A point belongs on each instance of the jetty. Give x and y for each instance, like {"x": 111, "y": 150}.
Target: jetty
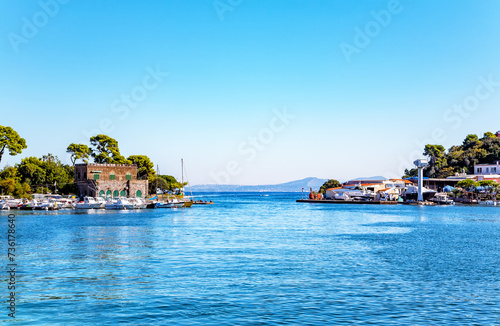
{"x": 336, "y": 201}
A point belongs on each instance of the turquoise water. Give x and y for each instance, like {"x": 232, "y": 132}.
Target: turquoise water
{"x": 253, "y": 259}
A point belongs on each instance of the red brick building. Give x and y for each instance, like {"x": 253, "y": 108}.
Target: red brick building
{"x": 109, "y": 180}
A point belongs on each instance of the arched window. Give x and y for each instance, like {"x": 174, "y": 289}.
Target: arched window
{"x": 138, "y": 194}
{"x": 101, "y": 193}
{"x": 123, "y": 193}
{"x": 108, "y": 193}
{"x": 115, "y": 193}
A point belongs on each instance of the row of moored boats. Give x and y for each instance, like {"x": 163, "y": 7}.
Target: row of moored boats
{"x": 55, "y": 202}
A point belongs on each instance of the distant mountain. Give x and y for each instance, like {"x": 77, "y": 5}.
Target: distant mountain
{"x": 292, "y": 186}
{"x": 378, "y": 177}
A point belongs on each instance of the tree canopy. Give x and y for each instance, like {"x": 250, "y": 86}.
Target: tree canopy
{"x": 10, "y": 139}
{"x": 78, "y": 151}
{"x": 332, "y": 183}
{"x": 145, "y": 168}
{"x": 105, "y": 150}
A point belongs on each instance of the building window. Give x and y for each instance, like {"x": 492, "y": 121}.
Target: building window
{"x": 493, "y": 170}
{"x": 96, "y": 176}
{"x": 108, "y": 193}
{"x": 122, "y": 193}
{"x": 129, "y": 176}
{"x": 115, "y": 193}
{"x": 78, "y": 176}
{"x": 101, "y": 193}
{"x": 112, "y": 176}
{"x": 479, "y": 170}
{"x": 487, "y": 170}
{"x": 138, "y": 194}
{"x": 85, "y": 175}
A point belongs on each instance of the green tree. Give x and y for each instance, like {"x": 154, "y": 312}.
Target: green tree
{"x": 47, "y": 172}
{"x": 489, "y": 134}
{"x": 411, "y": 173}
{"x": 331, "y": 183}
{"x": 10, "y": 139}
{"x": 470, "y": 139}
{"x": 105, "y": 150}
{"x": 145, "y": 168}
{"x": 78, "y": 151}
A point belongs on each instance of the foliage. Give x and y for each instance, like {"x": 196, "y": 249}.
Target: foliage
{"x": 105, "y": 150}
{"x": 331, "y": 183}
{"x": 460, "y": 158}
{"x": 11, "y": 140}
{"x": 467, "y": 184}
{"x": 145, "y": 168}
{"x": 46, "y": 172}
{"x": 78, "y": 151}
{"x": 165, "y": 182}
{"x": 411, "y": 173}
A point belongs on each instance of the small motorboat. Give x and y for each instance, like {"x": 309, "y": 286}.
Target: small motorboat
{"x": 138, "y": 203}
{"x": 174, "y": 203}
{"x": 120, "y": 203}
{"x": 90, "y": 203}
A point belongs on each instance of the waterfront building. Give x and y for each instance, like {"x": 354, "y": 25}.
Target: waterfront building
{"x": 109, "y": 180}
{"x": 483, "y": 169}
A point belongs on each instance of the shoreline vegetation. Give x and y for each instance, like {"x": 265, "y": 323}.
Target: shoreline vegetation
{"x": 458, "y": 159}
{"x": 48, "y": 174}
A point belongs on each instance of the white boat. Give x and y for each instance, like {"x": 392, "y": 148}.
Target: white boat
{"x": 3, "y": 205}
{"x": 11, "y": 202}
{"x": 173, "y": 203}
{"x": 488, "y": 202}
{"x": 442, "y": 199}
{"x": 46, "y": 205}
{"x": 119, "y": 203}
{"x": 138, "y": 203}
{"x": 89, "y": 203}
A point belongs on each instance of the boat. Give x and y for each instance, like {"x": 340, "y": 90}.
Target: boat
{"x": 138, "y": 203}
{"x": 29, "y": 205}
{"x": 411, "y": 193}
{"x": 488, "y": 202}
{"x": 90, "y": 203}
{"x": 442, "y": 199}
{"x": 173, "y": 203}
{"x": 188, "y": 202}
{"x": 11, "y": 202}
{"x": 3, "y": 206}
{"x": 202, "y": 202}
{"x": 119, "y": 203}
{"x": 47, "y": 205}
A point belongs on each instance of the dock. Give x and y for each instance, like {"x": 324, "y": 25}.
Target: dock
{"x": 334, "y": 201}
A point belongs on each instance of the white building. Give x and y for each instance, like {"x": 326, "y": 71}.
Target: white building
{"x": 484, "y": 169}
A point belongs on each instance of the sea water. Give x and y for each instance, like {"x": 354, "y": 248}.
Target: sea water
{"x": 256, "y": 259}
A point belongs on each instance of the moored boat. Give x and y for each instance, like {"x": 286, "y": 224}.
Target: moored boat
{"x": 119, "y": 203}
{"x": 90, "y": 203}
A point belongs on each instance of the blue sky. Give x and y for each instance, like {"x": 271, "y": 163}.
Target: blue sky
{"x": 204, "y": 78}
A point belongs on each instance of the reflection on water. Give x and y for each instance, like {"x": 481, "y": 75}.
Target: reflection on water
{"x": 256, "y": 259}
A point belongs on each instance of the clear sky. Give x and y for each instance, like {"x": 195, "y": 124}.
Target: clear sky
{"x": 251, "y": 92}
